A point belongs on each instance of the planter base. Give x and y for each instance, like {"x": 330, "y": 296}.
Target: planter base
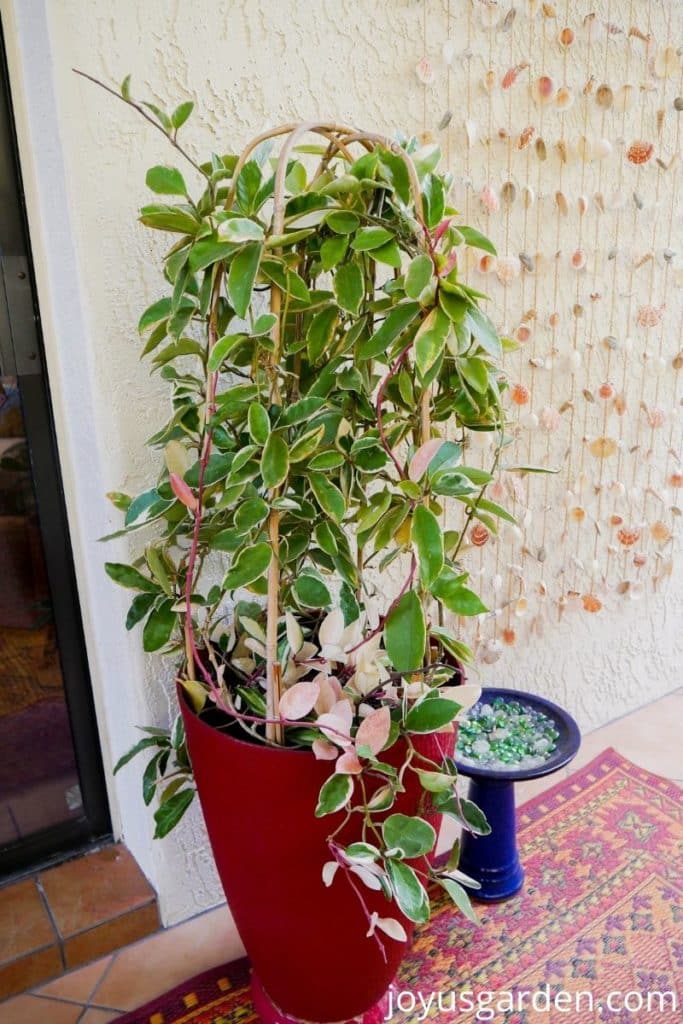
{"x": 269, "y": 1013}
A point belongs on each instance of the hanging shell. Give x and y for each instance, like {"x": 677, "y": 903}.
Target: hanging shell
{"x": 489, "y": 198}
{"x": 578, "y": 259}
{"x": 562, "y": 204}
{"x": 471, "y": 130}
{"x": 448, "y": 51}
{"x": 528, "y": 197}
{"x": 445, "y": 121}
{"x": 604, "y": 97}
{"x": 667, "y": 63}
{"x": 543, "y": 90}
{"x": 526, "y": 136}
{"x": 639, "y": 152}
{"x": 649, "y": 316}
{"x": 623, "y": 98}
{"x": 508, "y": 269}
{"x": 425, "y": 71}
{"x": 541, "y": 151}
{"x": 508, "y": 192}
{"x": 566, "y": 36}
{"x": 603, "y": 447}
{"x": 601, "y": 148}
{"x": 564, "y": 99}
{"x": 678, "y": 104}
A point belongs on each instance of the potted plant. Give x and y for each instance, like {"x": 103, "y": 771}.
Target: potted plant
{"x": 317, "y": 342}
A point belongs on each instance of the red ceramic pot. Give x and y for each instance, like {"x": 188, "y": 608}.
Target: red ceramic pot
{"x": 307, "y": 942}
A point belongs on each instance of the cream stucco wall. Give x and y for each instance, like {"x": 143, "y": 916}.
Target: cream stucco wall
{"x": 246, "y": 66}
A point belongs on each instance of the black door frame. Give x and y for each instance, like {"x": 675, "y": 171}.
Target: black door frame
{"x": 22, "y": 353}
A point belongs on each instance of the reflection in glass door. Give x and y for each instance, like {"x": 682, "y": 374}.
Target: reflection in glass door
{"x": 52, "y": 798}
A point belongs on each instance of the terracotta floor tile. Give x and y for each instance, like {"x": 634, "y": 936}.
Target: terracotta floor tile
{"x": 30, "y": 970}
{"x": 95, "y": 1016}
{"x": 24, "y": 922}
{"x": 111, "y": 935}
{"x": 31, "y": 1010}
{"x": 86, "y": 891}
{"x": 169, "y": 958}
{"x": 77, "y": 984}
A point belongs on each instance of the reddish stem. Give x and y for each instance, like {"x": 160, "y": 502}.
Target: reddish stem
{"x": 380, "y": 626}
{"x": 334, "y": 850}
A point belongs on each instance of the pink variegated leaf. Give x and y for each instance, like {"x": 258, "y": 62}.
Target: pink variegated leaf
{"x": 182, "y": 491}
{"x": 329, "y": 871}
{"x": 391, "y": 927}
{"x": 335, "y": 728}
{"x": 348, "y": 764}
{"x": 299, "y": 700}
{"x": 422, "y": 457}
{"x": 373, "y": 731}
{"x": 441, "y": 229}
{"x": 324, "y": 751}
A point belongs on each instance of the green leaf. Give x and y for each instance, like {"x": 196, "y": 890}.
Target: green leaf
{"x": 371, "y": 238}
{"x": 147, "y": 507}
{"x": 171, "y": 811}
{"x": 396, "y": 173}
{"x": 154, "y": 314}
{"x": 449, "y": 590}
{"x": 149, "y": 779}
{"x": 274, "y": 461}
{"x": 181, "y": 114}
{"x": 414, "y": 836}
{"x": 304, "y": 446}
{"x": 405, "y": 633}
{"x": 241, "y": 277}
{"x": 159, "y": 627}
{"x": 125, "y": 89}
{"x": 475, "y": 372}
{"x": 389, "y": 254}
{"x": 169, "y": 218}
{"x": 427, "y": 537}
{"x": 157, "y": 566}
{"x": 483, "y": 330}
{"x": 239, "y": 230}
{"x": 435, "y": 782}
{"x": 259, "y": 424}
{"x": 221, "y": 349}
{"x": 263, "y": 324}
{"x": 301, "y": 411}
{"x": 394, "y": 324}
{"x": 333, "y": 251}
{"x": 459, "y": 897}
{"x": 166, "y": 181}
{"x": 250, "y": 565}
{"x": 464, "y": 811}
{"x": 335, "y": 794}
{"x": 208, "y": 251}
{"x": 342, "y": 222}
{"x": 477, "y": 240}
{"x": 418, "y": 276}
{"x": 162, "y": 117}
{"x": 434, "y": 199}
{"x": 310, "y": 590}
{"x": 494, "y": 509}
{"x": 348, "y": 287}
{"x": 127, "y": 576}
{"x": 430, "y": 715}
{"x": 148, "y": 741}
{"x": 430, "y": 340}
{"x": 329, "y": 497}
{"x": 408, "y": 890}
{"x": 321, "y": 332}
{"x": 454, "y": 306}
{"x": 452, "y": 483}
{"x": 250, "y": 513}
{"x": 139, "y": 607}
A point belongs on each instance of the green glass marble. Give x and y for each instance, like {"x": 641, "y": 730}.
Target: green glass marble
{"x": 506, "y": 734}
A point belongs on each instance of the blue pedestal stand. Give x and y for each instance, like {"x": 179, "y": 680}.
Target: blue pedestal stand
{"x": 493, "y": 860}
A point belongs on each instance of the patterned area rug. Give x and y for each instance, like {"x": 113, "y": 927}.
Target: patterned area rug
{"x": 597, "y": 931}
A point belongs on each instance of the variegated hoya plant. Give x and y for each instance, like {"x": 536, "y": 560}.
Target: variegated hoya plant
{"x": 318, "y": 344}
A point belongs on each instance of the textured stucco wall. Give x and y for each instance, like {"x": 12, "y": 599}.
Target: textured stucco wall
{"x": 248, "y": 66}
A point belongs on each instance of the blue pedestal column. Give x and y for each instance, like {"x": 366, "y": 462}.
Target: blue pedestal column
{"x": 493, "y": 860}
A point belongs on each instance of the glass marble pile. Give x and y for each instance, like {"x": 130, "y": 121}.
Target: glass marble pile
{"x": 506, "y": 735}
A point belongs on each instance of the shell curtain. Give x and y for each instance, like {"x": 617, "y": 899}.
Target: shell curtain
{"x": 561, "y": 123}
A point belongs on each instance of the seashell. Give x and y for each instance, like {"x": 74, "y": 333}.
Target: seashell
{"x": 678, "y": 104}
{"x": 561, "y": 202}
{"x": 667, "y": 63}
{"x": 448, "y": 51}
{"x": 543, "y": 90}
{"x": 656, "y": 418}
{"x": 489, "y": 651}
{"x": 660, "y": 532}
{"x": 489, "y": 80}
{"x": 550, "y": 419}
{"x": 566, "y": 36}
{"x": 588, "y": 87}
{"x": 471, "y": 130}
{"x": 520, "y": 394}
{"x": 526, "y": 136}
{"x": 639, "y": 560}
{"x": 445, "y": 120}
{"x": 553, "y": 320}
{"x": 487, "y": 264}
{"x": 604, "y": 97}
{"x": 606, "y": 390}
{"x": 603, "y": 447}
{"x": 601, "y": 148}
{"x": 521, "y": 607}
{"x": 497, "y": 490}
{"x": 578, "y": 310}
{"x": 529, "y": 421}
{"x": 561, "y": 147}
{"x": 578, "y": 259}
{"x": 661, "y": 114}
{"x": 527, "y": 262}
{"x": 425, "y": 71}
{"x": 599, "y": 201}
{"x": 639, "y": 152}
{"x": 490, "y": 199}
{"x": 578, "y": 514}
{"x": 677, "y": 361}
{"x": 582, "y": 203}
{"x": 623, "y": 98}
{"x": 676, "y": 480}
{"x": 627, "y": 538}
{"x": 479, "y": 535}
{"x": 588, "y": 395}
{"x": 565, "y": 98}
{"x": 511, "y": 75}
{"x": 541, "y": 151}
{"x": 523, "y": 333}
{"x": 508, "y": 21}
{"x": 508, "y": 192}
{"x": 509, "y": 636}
{"x": 649, "y": 316}
{"x": 508, "y": 268}
{"x": 528, "y": 197}
{"x": 620, "y": 405}
{"x": 591, "y": 603}
{"x": 615, "y": 520}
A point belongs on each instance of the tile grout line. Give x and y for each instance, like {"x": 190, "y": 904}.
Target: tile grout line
{"x": 53, "y": 922}
{"x": 73, "y": 1002}
{"x": 104, "y": 975}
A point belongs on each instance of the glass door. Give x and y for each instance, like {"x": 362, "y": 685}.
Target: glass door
{"x": 52, "y": 797}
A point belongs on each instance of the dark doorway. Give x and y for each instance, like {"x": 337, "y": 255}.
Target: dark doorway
{"x": 52, "y": 795}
